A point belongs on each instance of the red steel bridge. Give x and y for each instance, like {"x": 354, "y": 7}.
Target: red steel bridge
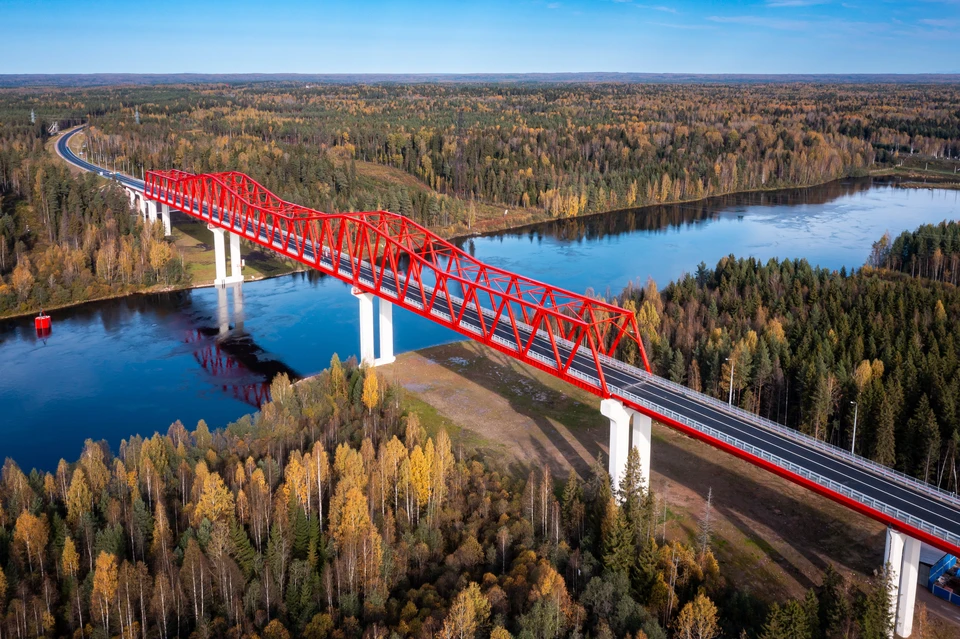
{"x": 576, "y": 338}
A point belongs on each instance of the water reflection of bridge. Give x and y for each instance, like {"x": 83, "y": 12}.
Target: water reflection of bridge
{"x": 230, "y": 355}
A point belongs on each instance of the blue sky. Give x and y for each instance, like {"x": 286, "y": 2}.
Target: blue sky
{"x": 430, "y": 36}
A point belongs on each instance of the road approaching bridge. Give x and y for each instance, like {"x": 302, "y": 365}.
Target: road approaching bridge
{"x": 574, "y": 337}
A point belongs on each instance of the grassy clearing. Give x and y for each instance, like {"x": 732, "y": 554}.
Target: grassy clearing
{"x": 489, "y": 217}
{"x": 771, "y": 537}
{"x": 195, "y": 243}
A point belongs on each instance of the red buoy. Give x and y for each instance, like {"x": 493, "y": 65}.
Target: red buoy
{"x": 42, "y": 322}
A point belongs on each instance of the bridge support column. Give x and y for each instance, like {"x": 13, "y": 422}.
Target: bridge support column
{"x": 236, "y": 263}
{"x": 642, "y": 436}
{"x": 909, "y": 574}
{"x": 386, "y": 333}
{"x": 619, "y": 417}
{"x": 902, "y": 558}
{"x": 367, "y": 355}
{"x": 151, "y": 210}
{"x": 366, "y": 327}
{"x": 220, "y": 257}
{"x": 165, "y": 216}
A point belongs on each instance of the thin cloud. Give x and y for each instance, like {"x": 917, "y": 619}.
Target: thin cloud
{"x": 759, "y": 21}
{"x": 673, "y": 25}
{"x": 939, "y": 22}
{"x": 795, "y": 3}
{"x": 553, "y": 5}
{"x": 657, "y": 8}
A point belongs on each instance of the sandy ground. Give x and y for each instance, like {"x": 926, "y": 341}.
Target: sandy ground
{"x": 772, "y": 537}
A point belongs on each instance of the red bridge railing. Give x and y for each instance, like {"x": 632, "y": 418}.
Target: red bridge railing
{"x": 398, "y": 260}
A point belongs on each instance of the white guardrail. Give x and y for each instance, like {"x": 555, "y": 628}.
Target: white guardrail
{"x": 733, "y": 411}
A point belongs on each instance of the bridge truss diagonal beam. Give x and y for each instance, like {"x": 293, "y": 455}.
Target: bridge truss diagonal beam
{"x": 398, "y": 260}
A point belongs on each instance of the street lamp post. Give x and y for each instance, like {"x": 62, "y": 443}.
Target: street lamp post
{"x": 853, "y": 442}
{"x": 733, "y": 363}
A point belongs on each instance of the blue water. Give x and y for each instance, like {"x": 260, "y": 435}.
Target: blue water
{"x": 135, "y": 365}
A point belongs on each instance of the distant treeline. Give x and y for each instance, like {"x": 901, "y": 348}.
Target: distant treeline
{"x": 563, "y": 149}
{"x": 554, "y": 150}
{"x": 295, "y": 79}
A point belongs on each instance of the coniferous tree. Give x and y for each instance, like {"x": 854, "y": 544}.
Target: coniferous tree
{"x": 617, "y": 540}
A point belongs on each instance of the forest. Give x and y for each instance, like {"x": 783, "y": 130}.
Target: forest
{"x": 453, "y": 157}
{"x": 932, "y": 251}
{"x": 814, "y": 349}
{"x": 333, "y": 513}
{"x": 66, "y": 238}
{"x": 564, "y": 150}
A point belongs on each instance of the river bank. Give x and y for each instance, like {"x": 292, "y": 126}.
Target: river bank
{"x": 153, "y": 290}
{"x": 201, "y": 261}
{"x": 139, "y": 362}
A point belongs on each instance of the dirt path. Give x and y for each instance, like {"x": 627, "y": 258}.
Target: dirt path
{"x": 772, "y": 537}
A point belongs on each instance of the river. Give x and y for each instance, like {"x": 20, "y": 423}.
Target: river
{"x": 134, "y": 365}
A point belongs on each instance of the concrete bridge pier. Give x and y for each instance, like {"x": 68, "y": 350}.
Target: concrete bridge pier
{"x": 165, "y": 216}
{"x": 621, "y": 418}
{"x": 386, "y": 333}
{"x": 138, "y": 202}
{"x": 220, "y": 257}
{"x": 366, "y": 330}
{"x": 902, "y": 559}
{"x": 151, "y": 210}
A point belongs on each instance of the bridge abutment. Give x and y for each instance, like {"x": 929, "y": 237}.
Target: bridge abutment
{"x": 902, "y": 559}
{"x": 620, "y": 430}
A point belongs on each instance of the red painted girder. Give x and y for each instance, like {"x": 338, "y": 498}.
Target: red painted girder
{"x": 383, "y": 240}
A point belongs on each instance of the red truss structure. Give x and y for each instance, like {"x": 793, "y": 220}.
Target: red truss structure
{"x": 402, "y": 262}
